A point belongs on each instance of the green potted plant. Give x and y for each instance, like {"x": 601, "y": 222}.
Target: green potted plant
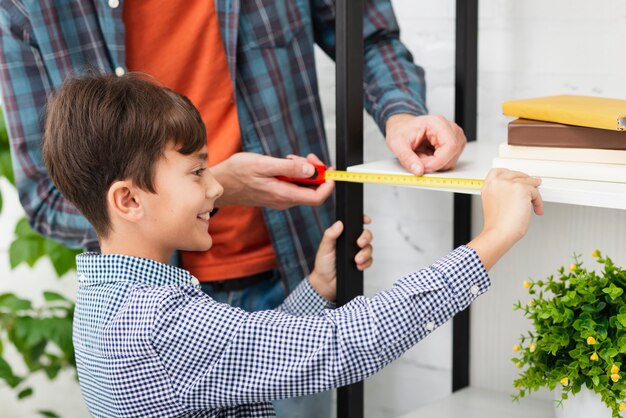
{"x": 578, "y": 336}
{"x": 41, "y": 334}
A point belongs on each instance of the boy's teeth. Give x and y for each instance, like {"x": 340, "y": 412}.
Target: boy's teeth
{"x": 205, "y": 216}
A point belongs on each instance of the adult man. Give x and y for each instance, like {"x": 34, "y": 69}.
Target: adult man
{"x": 249, "y": 67}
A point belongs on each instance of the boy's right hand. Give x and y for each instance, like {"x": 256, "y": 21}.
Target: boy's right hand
{"x": 507, "y": 197}
{"x": 323, "y": 278}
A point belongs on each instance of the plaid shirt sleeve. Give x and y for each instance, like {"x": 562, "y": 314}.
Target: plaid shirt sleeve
{"x": 393, "y": 83}
{"x": 235, "y": 357}
{"x": 25, "y": 84}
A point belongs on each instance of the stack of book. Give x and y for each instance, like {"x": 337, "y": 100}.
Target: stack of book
{"x": 569, "y": 136}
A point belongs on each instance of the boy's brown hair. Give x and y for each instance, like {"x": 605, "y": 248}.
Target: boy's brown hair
{"x": 103, "y": 128}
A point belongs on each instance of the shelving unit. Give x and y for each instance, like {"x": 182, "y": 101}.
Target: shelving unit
{"x": 475, "y": 162}
{"x": 349, "y": 144}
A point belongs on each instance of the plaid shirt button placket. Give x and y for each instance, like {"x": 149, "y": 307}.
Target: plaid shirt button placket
{"x": 42, "y": 43}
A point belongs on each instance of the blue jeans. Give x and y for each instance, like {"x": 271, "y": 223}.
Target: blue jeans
{"x": 269, "y": 294}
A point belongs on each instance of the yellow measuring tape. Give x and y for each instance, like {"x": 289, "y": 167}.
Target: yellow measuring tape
{"x": 404, "y": 180}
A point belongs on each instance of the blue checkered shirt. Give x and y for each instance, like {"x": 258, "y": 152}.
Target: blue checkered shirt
{"x": 150, "y": 343}
{"x": 270, "y": 52}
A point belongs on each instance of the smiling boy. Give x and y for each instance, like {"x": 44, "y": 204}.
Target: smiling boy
{"x": 131, "y": 156}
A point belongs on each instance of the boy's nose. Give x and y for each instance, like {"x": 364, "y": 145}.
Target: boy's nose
{"x": 214, "y": 189}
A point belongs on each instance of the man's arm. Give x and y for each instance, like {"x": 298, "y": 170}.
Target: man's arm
{"x": 25, "y": 85}
{"x": 394, "y": 84}
{"x": 395, "y": 90}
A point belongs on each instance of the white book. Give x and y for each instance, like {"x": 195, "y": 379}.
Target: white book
{"x": 565, "y": 169}
{"x": 587, "y": 155}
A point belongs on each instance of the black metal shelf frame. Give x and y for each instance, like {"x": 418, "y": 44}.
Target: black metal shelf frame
{"x": 349, "y": 101}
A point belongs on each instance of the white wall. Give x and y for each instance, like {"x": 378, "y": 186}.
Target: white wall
{"x": 526, "y": 49}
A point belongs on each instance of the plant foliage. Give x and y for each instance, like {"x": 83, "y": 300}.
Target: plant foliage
{"x": 579, "y": 334}
{"x": 41, "y": 335}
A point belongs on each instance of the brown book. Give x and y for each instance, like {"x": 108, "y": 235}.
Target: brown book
{"x": 546, "y": 134}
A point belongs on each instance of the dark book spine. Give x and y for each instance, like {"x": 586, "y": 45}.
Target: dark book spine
{"x": 545, "y": 134}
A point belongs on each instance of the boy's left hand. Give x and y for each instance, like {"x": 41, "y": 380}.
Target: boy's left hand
{"x": 323, "y": 278}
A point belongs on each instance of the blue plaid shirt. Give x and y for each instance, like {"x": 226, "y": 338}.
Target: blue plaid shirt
{"x": 270, "y": 51}
{"x": 150, "y": 343}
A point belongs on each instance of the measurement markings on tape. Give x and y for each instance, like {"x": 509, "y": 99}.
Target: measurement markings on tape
{"x": 404, "y": 180}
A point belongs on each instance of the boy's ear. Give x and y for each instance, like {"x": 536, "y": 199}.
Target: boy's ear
{"x": 124, "y": 201}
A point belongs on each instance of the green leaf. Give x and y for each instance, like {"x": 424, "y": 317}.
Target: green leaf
{"x": 26, "y": 250}
{"x": 6, "y": 374}
{"x": 13, "y": 303}
{"x": 622, "y": 319}
{"x": 63, "y": 259}
{"x": 596, "y": 380}
{"x": 48, "y": 414}
{"x": 23, "y": 229}
{"x": 52, "y": 371}
{"x": 6, "y": 169}
{"x": 613, "y": 291}
{"x": 24, "y": 393}
{"x": 34, "y": 331}
{"x": 53, "y": 297}
{"x": 59, "y": 331}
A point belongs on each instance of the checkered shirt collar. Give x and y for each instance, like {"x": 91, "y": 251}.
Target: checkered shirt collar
{"x": 96, "y": 268}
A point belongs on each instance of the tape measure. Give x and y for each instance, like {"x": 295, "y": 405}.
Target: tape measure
{"x": 322, "y": 174}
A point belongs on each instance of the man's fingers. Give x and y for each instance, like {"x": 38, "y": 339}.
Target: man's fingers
{"x": 289, "y": 194}
{"x": 445, "y": 155}
{"x": 313, "y": 159}
{"x": 297, "y": 167}
{"x": 407, "y": 157}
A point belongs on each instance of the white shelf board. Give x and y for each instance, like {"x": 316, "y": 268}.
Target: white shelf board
{"x": 475, "y": 162}
{"x": 482, "y": 403}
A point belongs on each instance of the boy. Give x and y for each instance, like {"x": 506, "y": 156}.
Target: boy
{"x": 131, "y": 156}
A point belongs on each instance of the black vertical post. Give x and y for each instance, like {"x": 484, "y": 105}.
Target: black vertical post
{"x": 465, "y": 115}
{"x": 349, "y": 84}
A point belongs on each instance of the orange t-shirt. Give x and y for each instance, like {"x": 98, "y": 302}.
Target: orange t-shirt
{"x": 182, "y": 47}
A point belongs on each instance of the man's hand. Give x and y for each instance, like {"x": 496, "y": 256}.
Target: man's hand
{"x": 249, "y": 180}
{"x": 424, "y": 144}
{"x": 323, "y": 278}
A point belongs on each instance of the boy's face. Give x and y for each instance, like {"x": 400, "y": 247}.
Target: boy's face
{"x": 177, "y": 215}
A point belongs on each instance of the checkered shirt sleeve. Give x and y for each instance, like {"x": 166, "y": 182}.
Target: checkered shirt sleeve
{"x": 158, "y": 346}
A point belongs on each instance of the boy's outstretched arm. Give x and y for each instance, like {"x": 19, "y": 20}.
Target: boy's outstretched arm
{"x": 323, "y": 278}
{"x": 508, "y": 198}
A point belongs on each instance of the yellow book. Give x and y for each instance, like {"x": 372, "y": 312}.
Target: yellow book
{"x": 593, "y": 112}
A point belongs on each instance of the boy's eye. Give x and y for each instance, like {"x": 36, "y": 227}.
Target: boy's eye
{"x": 198, "y": 172}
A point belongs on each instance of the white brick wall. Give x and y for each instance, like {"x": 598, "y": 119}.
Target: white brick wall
{"x": 526, "y": 49}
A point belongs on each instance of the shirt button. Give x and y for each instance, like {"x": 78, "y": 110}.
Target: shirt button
{"x": 430, "y": 326}
{"x": 119, "y": 71}
{"x": 474, "y": 289}
{"x": 114, "y": 4}
{"x": 195, "y": 281}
